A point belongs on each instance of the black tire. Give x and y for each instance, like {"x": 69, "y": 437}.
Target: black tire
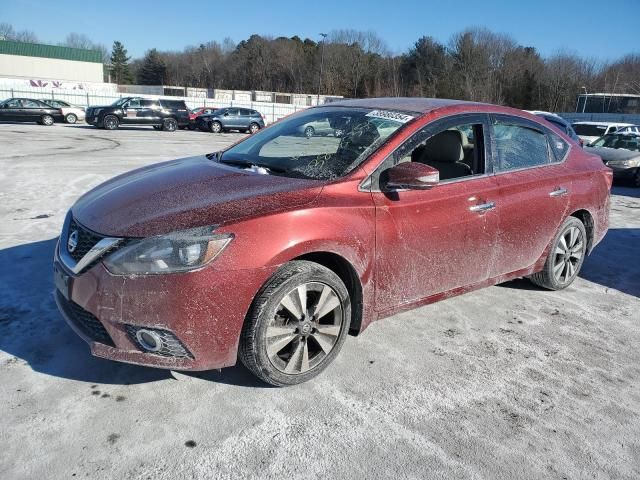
{"x": 215, "y": 127}
{"x": 555, "y": 268}
{"x": 254, "y": 128}
{"x": 169, "y": 125}
{"x": 309, "y": 131}
{"x": 46, "y": 120}
{"x": 266, "y": 309}
{"x": 110, "y": 122}
{"x": 71, "y": 118}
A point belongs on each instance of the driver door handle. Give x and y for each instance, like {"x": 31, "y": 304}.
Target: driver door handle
{"x": 483, "y": 207}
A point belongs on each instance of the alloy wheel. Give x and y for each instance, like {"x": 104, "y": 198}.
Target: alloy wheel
{"x": 254, "y": 128}
{"x": 305, "y": 328}
{"x": 47, "y": 120}
{"x": 71, "y": 118}
{"x": 568, "y": 254}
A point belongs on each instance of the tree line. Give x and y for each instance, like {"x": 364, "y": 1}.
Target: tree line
{"x": 475, "y": 64}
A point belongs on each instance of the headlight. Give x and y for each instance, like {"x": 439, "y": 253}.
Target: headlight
{"x": 175, "y": 252}
{"x": 634, "y": 162}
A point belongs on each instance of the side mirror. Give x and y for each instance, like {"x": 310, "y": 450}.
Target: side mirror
{"x": 411, "y": 176}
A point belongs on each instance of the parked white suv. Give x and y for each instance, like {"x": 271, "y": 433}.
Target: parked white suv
{"x": 589, "y": 132}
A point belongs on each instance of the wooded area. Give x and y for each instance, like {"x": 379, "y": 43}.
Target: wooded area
{"x": 475, "y": 64}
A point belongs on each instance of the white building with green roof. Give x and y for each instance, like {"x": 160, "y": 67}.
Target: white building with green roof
{"x": 34, "y": 61}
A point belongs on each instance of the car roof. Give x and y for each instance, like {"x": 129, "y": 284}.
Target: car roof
{"x": 608, "y": 124}
{"x": 542, "y": 112}
{"x": 404, "y": 104}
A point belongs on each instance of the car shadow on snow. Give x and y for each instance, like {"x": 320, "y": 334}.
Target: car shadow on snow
{"x": 32, "y": 330}
{"x": 614, "y": 263}
{"x": 624, "y": 190}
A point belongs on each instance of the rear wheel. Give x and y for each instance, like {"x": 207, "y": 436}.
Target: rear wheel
{"x": 565, "y": 258}
{"x": 297, "y": 324}
{"x": 46, "y": 120}
{"x": 71, "y": 118}
{"x": 169, "y": 125}
{"x": 110, "y": 122}
{"x": 215, "y": 127}
{"x": 253, "y": 128}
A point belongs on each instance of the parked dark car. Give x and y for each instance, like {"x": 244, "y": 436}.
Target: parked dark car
{"x": 162, "y": 114}
{"x": 29, "y": 110}
{"x": 277, "y": 248}
{"x": 559, "y": 122}
{"x": 621, "y": 153}
{"x": 231, "y": 118}
{"x": 196, "y": 112}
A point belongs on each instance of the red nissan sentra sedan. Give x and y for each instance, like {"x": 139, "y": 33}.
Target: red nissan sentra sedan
{"x": 278, "y": 247}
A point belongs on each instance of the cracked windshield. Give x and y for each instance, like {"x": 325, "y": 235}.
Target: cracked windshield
{"x": 322, "y": 144}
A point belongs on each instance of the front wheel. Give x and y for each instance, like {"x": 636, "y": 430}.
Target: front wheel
{"x": 565, "y": 258}
{"x": 71, "y": 118}
{"x": 309, "y": 132}
{"x": 215, "y": 127}
{"x": 297, "y": 324}
{"x": 253, "y": 128}
{"x": 110, "y": 122}
{"x": 46, "y": 120}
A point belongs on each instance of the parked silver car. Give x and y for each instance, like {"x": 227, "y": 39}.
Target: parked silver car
{"x": 319, "y": 128}
{"x": 72, "y": 113}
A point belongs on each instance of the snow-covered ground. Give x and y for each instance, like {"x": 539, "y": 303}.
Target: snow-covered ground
{"x": 509, "y": 382}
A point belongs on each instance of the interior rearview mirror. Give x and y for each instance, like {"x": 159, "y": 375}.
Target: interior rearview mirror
{"x": 410, "y": 176}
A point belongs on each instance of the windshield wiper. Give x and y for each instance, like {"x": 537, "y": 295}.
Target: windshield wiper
{"x": 248, "y": 163}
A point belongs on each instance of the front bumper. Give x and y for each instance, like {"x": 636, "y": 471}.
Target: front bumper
{"x": 203, "y": 309}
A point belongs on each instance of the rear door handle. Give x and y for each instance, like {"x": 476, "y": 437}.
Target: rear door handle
{"x": 483, "y": 207}
{"x": 558, "y": 192}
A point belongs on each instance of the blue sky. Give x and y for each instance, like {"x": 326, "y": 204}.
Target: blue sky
{"x": 590, "y": 28}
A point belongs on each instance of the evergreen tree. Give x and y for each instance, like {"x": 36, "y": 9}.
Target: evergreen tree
{"x": 119, "y": 64}
{"x": 153, "y": 69}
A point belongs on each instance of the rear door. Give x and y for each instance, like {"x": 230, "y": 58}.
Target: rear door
{"x": 534, "y": 189}
{"x": 432, "y": 241}
{"x": 32, "y": 110}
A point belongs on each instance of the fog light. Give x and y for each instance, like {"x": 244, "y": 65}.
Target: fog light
{"x": 149, "y": 340}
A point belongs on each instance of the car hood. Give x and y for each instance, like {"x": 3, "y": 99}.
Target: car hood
{"x": 186, "y": 193}
{"x": 609, "y": 154}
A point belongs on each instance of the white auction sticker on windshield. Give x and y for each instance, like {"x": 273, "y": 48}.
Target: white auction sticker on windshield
{"x": 387, "y": 115}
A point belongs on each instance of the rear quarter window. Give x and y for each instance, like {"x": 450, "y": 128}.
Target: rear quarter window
{"x": 559, "y": 148}
{"x": 174, "y": 104}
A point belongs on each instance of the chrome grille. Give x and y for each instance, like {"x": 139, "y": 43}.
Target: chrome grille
{"x": 86, "y": 240}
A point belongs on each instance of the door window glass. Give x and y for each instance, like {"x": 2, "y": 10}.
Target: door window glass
{"x": 15, "y": 103}
{"x": 455, "y": 152}
{"x": 133, "y": 103}
{"x": 518, "y": 146}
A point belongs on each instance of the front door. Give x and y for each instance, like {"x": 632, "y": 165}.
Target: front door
{"x": 132, "y": 110}
{"x": 432, "y": 241}
{"x": 11, "y": 110}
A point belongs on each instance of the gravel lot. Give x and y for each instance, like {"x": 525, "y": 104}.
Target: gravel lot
{"x": 506, "y": 382}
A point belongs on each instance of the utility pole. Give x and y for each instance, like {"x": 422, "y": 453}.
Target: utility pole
{"x": 324, "y": 36}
